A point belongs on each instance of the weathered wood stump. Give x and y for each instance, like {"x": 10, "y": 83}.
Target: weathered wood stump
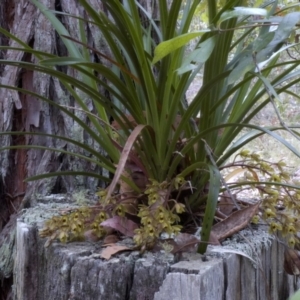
{"x": 76, "y": 271}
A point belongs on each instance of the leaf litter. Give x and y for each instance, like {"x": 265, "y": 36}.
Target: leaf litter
{"x": 113, "y": 249}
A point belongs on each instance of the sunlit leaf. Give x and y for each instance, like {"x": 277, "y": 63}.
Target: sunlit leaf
{"x": 167, "y": 47}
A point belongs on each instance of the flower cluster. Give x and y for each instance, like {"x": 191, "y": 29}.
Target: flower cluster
{"x": 72, "y": 225}
{"x": 280, "y": 197}
{"x": 158, "y": 214}
{"x": 161, "y": 213}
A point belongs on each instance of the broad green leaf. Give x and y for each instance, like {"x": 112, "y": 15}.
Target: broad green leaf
{"x": 245, "y": 65}
{"x": 187, "y": 68}
{"x": 198, "y": 56}
{"x": 124, "y": 157}
{"x": 262, "y": 41}
{"x": 169, "y": 46}
{"x": 286, "y": 26}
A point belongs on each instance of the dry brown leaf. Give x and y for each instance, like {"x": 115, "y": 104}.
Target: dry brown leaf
{"x": 134, "y": 164}
{"x": 235, "y": 222}
{"x": 291, "y": 261}
{"x": 90, "y": 236}
{"x": 121, "y": 224}
{"x": 110, "y": 239}
{"x": 125, "y": 188}
{"x": 112, "y": 250}
{"x": 226, "y": 205}
{"x": 124, "y": 157}
{"x": 130, "y": 204}
{"x": 126, "y": 191}
{"x": 139, "y": 179}
{"x": 213, "y": 239}
{"x": 185, "y": 242}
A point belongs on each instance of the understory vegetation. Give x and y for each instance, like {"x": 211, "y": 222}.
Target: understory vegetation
{"x": 177, "y": 163}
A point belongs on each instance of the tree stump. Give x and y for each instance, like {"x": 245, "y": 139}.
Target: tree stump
{"x": 77, "y": 271}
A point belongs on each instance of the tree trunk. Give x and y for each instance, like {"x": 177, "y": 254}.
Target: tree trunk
{"x": 19, "y": 112}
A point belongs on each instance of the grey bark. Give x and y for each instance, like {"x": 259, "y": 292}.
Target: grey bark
{"x": 32, "y": 27}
